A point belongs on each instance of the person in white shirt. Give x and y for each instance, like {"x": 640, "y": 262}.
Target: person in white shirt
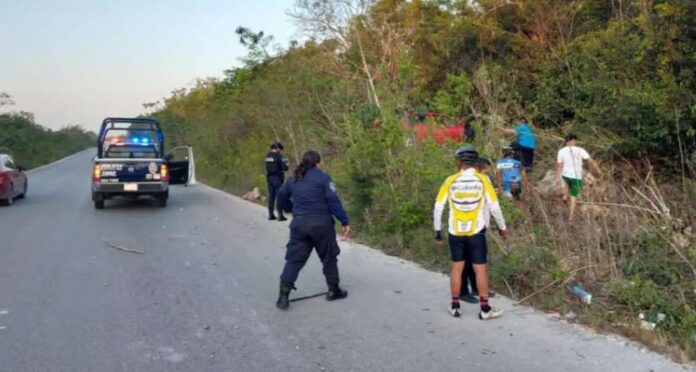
{"x": 569, "y": 166}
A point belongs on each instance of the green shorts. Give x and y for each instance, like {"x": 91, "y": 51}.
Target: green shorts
{"x": 575, "y": 186}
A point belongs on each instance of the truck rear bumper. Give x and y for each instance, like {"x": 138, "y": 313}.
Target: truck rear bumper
{"x": 132, "y": 189}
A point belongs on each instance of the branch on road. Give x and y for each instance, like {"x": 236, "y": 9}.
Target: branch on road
{"x": 122, "y": 248}
{"x": 308, "y": 297}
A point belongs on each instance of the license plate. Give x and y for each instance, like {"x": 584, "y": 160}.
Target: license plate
{"x": 130, "y": 187}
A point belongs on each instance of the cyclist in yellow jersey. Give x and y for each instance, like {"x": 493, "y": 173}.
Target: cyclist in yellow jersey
{"x": 468, "y": 194}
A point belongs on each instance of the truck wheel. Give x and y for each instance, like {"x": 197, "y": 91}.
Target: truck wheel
{"x": 162, "y": 201}
{"x": 99, "y": 204}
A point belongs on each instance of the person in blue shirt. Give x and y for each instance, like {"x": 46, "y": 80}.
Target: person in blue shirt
{"x": 276, "y": 166}
{"x": 510, "y": 173}
{"x": 525, "y": 144}
{"x": 311, "y": 198}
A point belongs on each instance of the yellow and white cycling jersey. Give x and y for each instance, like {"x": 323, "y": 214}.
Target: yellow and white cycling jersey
{"x": 470, "y": 196}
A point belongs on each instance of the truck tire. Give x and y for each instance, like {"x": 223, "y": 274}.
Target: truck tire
{"x": 98, "y": 200}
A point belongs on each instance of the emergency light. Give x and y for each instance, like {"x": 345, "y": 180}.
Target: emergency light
{"x": 141, "y": 141}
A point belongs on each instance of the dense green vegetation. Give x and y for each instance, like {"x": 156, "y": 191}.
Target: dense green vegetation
{"x": 32, "y": 145}
{"x": 621, "y": 74}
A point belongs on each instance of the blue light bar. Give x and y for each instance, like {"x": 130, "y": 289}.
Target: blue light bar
{"x": 136, "y": 140}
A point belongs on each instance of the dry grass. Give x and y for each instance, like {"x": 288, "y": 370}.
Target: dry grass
{"x": 622, "y": 220}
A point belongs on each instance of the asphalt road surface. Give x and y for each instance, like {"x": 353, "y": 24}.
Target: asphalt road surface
{"x": 202, "y": 297}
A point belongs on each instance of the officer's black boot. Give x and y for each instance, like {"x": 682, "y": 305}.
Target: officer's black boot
{"x": 284, "y": 296}
{"x": 272, "y": 217}
{"x": 336, "y": 293}
{"x": 281, "y": 217}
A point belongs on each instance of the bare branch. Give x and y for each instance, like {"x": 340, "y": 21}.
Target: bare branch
{"x": 328, "y": 18}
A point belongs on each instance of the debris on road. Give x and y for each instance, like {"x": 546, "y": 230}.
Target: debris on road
{"x": 174, "y": 237}
{"x": 537, "y": 292}
{"x": 253, "y": 195}
{"x": 585, "y": 297}
{"x": 661, "y": 317}
{"x": 651, "y": 324}
{"x": 646, "y": 325}
{"x": 308, "y": 297}
{"x": 122, "y": 248}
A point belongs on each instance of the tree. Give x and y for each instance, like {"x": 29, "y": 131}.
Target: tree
{"x": 333, "y": 19}
{"x": 257, "y": 43}
{"x": 5, "y": 99}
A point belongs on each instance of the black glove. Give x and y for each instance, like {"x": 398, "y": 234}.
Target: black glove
{"x": 438, "y": 236}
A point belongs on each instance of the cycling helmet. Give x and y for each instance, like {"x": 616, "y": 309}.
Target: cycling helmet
{"x": 467, "y": 155}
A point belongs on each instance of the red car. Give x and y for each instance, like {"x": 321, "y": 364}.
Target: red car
{"x": 13, "y": 181}
{"x": 444, "y": 130}
{"x": 440, "y": 134}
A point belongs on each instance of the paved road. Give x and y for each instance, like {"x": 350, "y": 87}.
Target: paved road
{"x": 202, "y": 297}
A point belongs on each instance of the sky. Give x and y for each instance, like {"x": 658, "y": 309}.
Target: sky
{"x": 78, "y": 61}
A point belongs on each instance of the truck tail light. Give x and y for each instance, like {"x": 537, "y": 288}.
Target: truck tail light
{"x": 164, "y": 172}
{"x": 96, "y": 173}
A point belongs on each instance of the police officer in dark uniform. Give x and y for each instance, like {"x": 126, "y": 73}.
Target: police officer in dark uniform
{"x": 311, "y": 197}
{"x": 276, "y": 167}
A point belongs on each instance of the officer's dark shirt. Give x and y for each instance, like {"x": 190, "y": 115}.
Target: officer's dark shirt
{"x": 314, "y": 195}
{"x": 275, "y": 166}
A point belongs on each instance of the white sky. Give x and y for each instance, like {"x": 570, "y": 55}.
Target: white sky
{"x": 78, "y": 61}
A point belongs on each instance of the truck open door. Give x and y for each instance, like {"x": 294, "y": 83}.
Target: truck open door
{"x": 182, "y": 167}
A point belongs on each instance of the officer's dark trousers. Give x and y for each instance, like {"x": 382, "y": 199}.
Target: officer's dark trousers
{"x": 308, "y": 233}
{"x": 468, "y": 277}
{"x": 274, "y": 185}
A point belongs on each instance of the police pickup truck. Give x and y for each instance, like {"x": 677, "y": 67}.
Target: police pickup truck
{"x": 131, "y": 162}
